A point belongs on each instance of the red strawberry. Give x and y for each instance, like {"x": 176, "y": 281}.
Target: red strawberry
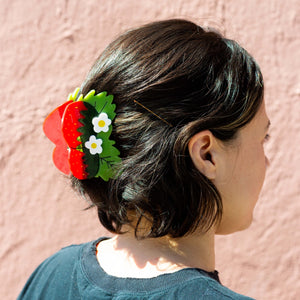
{"x": 60, "y": 158}
{"x": 77, "y": 165}
{"x": 52, "y": 129}
{"x": 71, "y": 123}
{"x": 52, "y": 124}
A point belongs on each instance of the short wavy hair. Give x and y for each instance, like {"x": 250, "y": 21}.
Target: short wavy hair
{"x": 194, "y": 79}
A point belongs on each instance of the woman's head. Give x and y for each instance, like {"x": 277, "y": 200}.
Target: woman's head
{"x": 170, "y": 80}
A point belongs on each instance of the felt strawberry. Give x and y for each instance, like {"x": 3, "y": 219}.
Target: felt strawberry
{"x": 80, "y": 129}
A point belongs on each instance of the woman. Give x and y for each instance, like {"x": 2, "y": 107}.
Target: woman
{"x": 185, "y": 109}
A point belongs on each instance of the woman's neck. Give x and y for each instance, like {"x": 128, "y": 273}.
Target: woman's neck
{"x": 125, "y": 256}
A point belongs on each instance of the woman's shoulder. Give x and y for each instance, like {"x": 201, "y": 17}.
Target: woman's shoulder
{"x": 66, "y": 258}
{"x": 56, "y": 274}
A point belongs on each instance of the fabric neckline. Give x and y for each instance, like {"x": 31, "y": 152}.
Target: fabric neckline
{"x": 100, "y": 278}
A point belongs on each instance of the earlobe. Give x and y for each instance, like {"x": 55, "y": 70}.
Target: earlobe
{"x": 201, "y": 150}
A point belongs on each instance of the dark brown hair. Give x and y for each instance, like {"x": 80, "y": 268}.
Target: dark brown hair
{"x": 192, "y": 78}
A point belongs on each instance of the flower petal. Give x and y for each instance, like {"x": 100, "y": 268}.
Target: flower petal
{"x": 103, "y": 120}
{"x": 94, "y": 145}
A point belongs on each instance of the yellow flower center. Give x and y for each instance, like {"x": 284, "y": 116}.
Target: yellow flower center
{"x": 101, "y": 123}
{"x": 94, "y": 145}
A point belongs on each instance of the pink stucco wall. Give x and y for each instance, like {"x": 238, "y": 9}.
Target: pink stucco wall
{"x": 46, "y": 49}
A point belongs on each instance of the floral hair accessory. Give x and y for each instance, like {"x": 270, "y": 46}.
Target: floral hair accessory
{"x": 80, "y": 129}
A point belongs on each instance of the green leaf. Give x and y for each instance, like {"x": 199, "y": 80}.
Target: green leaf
{"x": 102, "y": 103}
{"x": 92, "y": 162}
{"x": 99, "y": 165}
{"x": 108, "y": 159}
{"x": 74, "y": 95}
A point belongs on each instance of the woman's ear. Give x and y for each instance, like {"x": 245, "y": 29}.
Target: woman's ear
{"x": 202, "y": 148}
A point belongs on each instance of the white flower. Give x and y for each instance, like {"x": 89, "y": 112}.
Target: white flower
{"x": 101, "y": 123}
{"x": 94, "y": 145}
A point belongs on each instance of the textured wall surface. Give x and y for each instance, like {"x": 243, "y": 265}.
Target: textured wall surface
{"x": 48, "y": 46}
